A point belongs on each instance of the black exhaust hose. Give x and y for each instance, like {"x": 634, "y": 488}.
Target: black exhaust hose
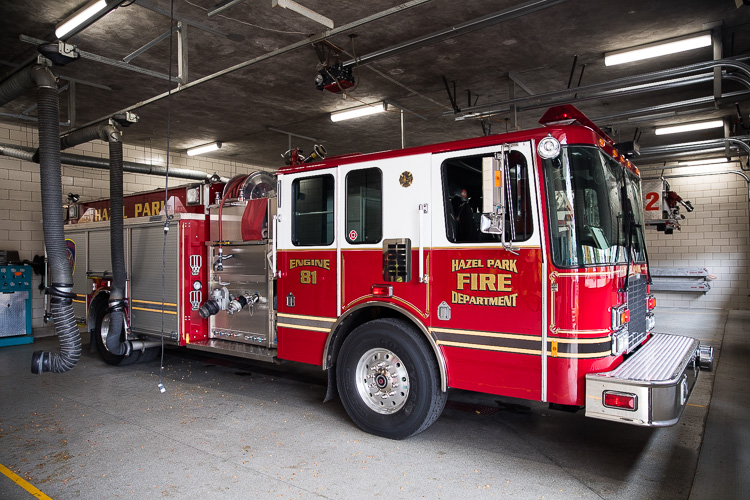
{"x": 17, "y": 85}
{"x": 61, "y": 276}
{"x": 115, "y": 343}
{"x": 82, "y": 136}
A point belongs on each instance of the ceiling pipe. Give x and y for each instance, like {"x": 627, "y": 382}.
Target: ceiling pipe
{"x": 454, "y": 31}
{"x": 625, "y": 82}
{"x": 29, "y": 154}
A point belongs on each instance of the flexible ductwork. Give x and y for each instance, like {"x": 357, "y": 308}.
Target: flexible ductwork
{"x": 115, "y": 343}
{"x": 26, "y": 79}
{"x": 60, "y": 274}
{"x": 106, "y": 131}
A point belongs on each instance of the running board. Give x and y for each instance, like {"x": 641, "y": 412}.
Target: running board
{"x": 655, "y": 382}
{"x": 238, "y": 349}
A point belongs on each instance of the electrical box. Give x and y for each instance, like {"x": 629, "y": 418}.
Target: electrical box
{"x": 15, "y": 305}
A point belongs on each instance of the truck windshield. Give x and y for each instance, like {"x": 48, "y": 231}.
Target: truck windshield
{"x": 586, "y": 202}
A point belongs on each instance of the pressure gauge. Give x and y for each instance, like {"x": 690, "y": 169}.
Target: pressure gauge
{"x": 197, "y": 285}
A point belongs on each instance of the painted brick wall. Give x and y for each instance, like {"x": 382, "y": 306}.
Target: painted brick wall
{"x": 20, "y": 196}
{"x": 714, "y": 236}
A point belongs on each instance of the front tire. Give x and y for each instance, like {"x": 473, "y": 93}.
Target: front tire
{"x": 388, "y": 379}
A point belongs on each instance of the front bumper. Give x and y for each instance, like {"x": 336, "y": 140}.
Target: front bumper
{"x": 660, "y": 375}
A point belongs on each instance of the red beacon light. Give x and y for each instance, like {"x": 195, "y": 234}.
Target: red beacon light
{"x": 567, "y": 114}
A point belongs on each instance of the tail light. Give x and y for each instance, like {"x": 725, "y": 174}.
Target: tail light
{"x": 620, "y": 400}
{"x": 650, "y": 302}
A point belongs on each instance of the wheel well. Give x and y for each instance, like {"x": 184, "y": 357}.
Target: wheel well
{"x": 369, "y": 313}
{"x": 101, "y": 300}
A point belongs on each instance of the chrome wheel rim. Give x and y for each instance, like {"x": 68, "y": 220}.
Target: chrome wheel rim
{"x": 382, "y": 381}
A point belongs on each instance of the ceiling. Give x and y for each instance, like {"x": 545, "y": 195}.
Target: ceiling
{"x": 537, "y": 49}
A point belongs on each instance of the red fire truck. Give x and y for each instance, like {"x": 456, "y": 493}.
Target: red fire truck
{"x": 511, "y": 264}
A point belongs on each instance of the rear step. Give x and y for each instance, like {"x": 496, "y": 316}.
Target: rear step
{"x": 651, "y": 388}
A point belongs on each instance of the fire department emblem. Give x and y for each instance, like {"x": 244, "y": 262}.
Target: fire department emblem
{"x": 406, "y": 179}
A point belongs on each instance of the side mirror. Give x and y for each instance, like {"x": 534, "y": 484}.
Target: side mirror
{"x": 497, "y": 201}
{"x": 493, "y": 195}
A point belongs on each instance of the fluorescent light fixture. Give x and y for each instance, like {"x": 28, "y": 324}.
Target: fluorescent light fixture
{"x": 206, "y": 148}
{"x": 710, "y": 161}
{"x": 347, "y": 114}
{"x": 657, "y": 49}
{"x": 91, "y": 13}
{"x": 301, "y": 9}
{"x": 689, "y": 127}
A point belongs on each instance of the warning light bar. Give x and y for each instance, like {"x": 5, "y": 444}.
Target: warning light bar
{"x": 621, "y": 400}
{"x": 567, "y": 114}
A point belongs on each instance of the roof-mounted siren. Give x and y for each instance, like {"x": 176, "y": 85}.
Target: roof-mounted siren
{"x": 567, "y": 114}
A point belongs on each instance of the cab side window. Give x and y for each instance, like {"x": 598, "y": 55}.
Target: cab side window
{"x": 364, "y": 206}
{"x": 312, "y": 207}
{"x": 462, "y": 198}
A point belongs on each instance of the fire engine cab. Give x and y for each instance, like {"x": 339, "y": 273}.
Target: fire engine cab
{"x": 511, "y": 264}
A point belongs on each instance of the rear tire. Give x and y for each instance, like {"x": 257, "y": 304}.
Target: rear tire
{"x": 100, "y": 335}
{"x": 388, "y": 379}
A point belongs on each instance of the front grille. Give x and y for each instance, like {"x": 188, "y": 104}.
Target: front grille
{"x": 637, "y": 305}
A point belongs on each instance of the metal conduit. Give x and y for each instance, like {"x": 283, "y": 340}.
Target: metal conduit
{"x": 669, "y": 107}
{"x": 543, "y": 99}
{"x": 29, "y": 154}
{"x": 454, "y": 31}
{"x": 739, "y": 141}
{"x": 633, "y": 89}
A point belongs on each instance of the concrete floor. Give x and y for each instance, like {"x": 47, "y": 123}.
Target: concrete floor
{"x": 236, "y": 430}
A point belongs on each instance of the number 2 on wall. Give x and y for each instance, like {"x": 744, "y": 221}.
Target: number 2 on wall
{"x": 652, "y": 201}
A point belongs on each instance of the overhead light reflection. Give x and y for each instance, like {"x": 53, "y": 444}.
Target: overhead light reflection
{"x": 657, "y": 49}
{"x": 689, "y": 127}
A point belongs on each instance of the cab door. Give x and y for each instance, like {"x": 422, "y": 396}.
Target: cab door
{"x": 306, "y": 264}
{"x": 385, "y": 234}
{"x": 486, "y": 297}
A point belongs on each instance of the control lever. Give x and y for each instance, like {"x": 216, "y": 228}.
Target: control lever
{"x": 219, "y": 263}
